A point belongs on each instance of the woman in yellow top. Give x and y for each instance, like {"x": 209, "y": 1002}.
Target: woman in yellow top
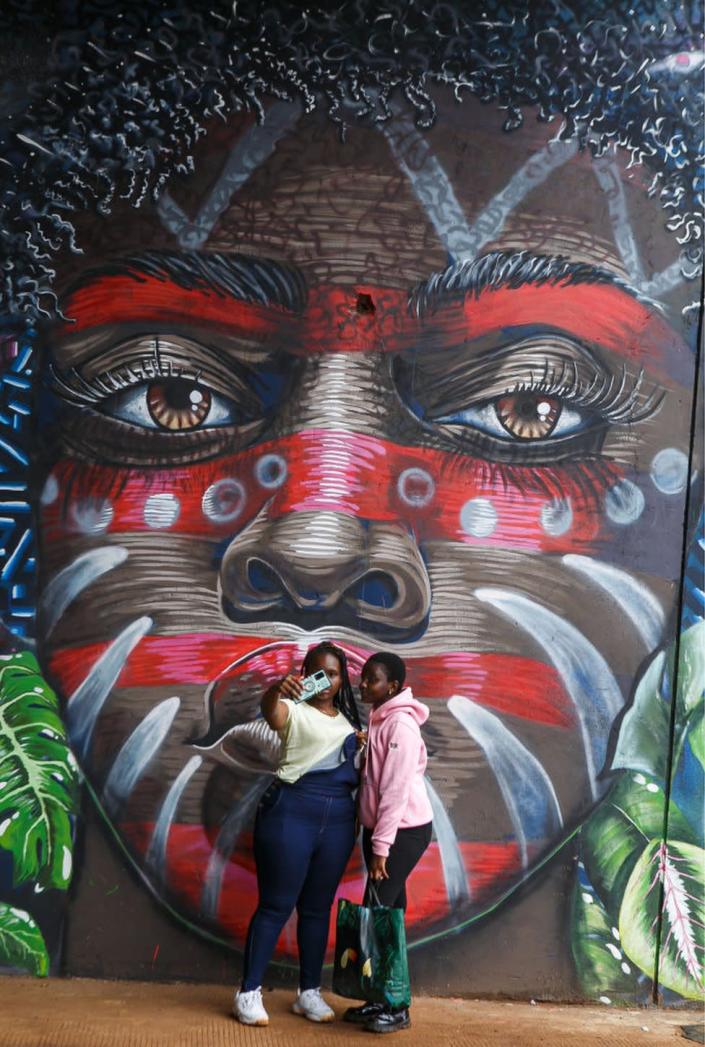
{"x": 304, "y": 830}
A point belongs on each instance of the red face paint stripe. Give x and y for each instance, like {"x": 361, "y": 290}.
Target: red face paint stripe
{"x": 490, "y": 865}
{"x": 332, "y": 321}
{"x": 510, "y": 684}
{"x": 427, "y": 490}
{"x": 121, "y": 300}
{"x": 598, "y": 314}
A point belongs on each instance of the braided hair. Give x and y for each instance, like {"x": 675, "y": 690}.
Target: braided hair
{"x": 344, "y": 699}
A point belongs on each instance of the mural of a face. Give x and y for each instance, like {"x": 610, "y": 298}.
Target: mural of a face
{"x": 412, "y": 391}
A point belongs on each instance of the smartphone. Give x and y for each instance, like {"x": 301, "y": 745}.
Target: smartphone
{"x": 313, "y": 685}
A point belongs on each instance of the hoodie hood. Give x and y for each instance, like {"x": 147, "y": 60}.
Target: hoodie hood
{"x": 402, "y": 702}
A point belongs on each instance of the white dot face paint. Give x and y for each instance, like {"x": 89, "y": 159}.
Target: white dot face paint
{"x": 223, "y": 501}
{"x": 92, "y": 515}
{"x": 478, "y": 517}
{"x": 624, "y": 503}
{"x": 161, "y": 510}
{"x": 416, "y": 487}
{"x": 557, "y": 517}
{"x": 50, "y": 492}
{"x": 271, "y": 471}
{"x": 669, "y": 471}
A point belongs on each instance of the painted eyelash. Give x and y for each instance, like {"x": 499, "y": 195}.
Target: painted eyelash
{"x": 73, "y": 386}
{"x": 617, "y": 399}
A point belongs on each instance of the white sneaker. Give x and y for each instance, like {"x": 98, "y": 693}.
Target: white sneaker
{"x": 249, "y": 1009}
{"x": 311, "y": 1005}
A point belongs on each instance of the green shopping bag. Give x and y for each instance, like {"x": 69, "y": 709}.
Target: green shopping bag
{"x": 370, "y": 954}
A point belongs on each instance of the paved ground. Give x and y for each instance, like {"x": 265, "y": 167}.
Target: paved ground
{"x": 83, "y": 1013}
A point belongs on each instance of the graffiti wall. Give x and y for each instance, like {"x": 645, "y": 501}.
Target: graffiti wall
{"x": 379, "y": 326}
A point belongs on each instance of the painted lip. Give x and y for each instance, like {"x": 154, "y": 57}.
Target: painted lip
{"x": 233, "y": 731}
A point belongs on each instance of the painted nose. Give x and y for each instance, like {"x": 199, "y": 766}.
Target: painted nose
{"x": 306, "y": 566}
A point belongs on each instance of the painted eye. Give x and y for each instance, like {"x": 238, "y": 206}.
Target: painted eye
{"x": 524, "y": 415}
{"x": 529, "y": 416}
{"x": 171, "y": 404}
{"x": 178, "y": 405}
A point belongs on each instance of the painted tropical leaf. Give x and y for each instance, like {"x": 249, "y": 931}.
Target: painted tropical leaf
{"x": 615, "y": 836}
{"x": 599, "y": 960}
{"x": 679, "y": 867}
{"x": 696, "y": 736}
{"x": 21, "y": 942}
{"x": 691, "y": 667}
{"x": 643, "y": 740}
{"x": 38, "y": 776}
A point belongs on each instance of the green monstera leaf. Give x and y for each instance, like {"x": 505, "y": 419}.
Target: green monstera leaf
{"x": 678, "y": 867}
{"x": 621, "y": 843}
{"x": 38, "y": 776}
{"x": 21, "y": 942}
{"x": 615, "y": 836}
{"x": 600, "y": 963}
{"x": 691, "y": 662}
{"x": 696, "y": 735}
{"x": 644, "y": 737}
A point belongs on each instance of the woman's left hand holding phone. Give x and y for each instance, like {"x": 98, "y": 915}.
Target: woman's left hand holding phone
{"x": 273, "y": 709}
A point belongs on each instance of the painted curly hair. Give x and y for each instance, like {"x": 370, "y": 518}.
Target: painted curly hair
{"x": 112, "y": 100}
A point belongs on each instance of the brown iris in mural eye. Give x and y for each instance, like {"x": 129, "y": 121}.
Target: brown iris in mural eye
{"x": 528, "y": 416}
{"x": 178, "y": 404}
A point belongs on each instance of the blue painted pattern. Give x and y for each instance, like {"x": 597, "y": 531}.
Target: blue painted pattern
{"x": 17, "y": 543}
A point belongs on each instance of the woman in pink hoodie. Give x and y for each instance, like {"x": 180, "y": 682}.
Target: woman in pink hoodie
{"x": 394, "y": 807}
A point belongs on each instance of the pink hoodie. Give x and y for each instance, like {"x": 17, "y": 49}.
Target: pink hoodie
{"x": 393, "y": 795}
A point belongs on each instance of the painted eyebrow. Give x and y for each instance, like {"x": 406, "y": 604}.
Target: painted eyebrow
{"x": 512, "y": 270}
{"x": 256, "y": 281}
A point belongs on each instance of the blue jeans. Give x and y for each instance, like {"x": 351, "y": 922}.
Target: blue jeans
{"x": 304, "y": 835}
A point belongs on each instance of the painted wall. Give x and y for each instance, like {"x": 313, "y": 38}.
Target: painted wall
{"x": 383, "y": 332}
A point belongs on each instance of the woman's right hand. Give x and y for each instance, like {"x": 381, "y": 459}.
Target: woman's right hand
{"x": 275, "y": 713}
{"x": 290, "y": 687}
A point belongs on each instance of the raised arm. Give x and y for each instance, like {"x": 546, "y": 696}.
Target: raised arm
{"x": 272, "y": 706}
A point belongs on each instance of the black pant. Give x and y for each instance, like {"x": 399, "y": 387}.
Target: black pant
{"x": 404, "y": 853}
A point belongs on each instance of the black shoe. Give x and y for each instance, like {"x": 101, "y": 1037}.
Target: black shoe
{"x": 360, "y": 1015}
{"x": 390, "y": 1021}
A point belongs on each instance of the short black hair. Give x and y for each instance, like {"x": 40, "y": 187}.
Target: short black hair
{"x": 394, "y": 666}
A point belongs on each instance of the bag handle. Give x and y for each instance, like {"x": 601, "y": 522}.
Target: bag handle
{"x": 372, "y": 893}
